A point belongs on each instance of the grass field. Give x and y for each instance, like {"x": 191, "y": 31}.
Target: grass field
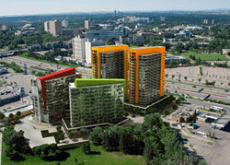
{"x": 24, "y": 55}
{"x": 99, "y": 157}
{"x": 206, "y": 57}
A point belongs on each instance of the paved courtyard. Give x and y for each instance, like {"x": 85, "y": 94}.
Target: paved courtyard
{"x": 33, "y": 134}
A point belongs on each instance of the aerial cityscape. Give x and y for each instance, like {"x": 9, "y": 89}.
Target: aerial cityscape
{"x": 102, "y": 85}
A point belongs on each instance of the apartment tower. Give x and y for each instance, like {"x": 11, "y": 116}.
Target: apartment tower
{"x": 79, "y": 47}
{"x": 46, "y": 26}
{"x": 146, "y": 74}
{"x": 55, "y": 27}
{"x": 142, "y": 68}
{"x": 94, "y": 101}
{"x": 51, "y": 95}
{"x": 110, "y": 62}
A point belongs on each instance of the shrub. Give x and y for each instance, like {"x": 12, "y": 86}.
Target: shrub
{"x": 86, "y": 148}
{"x": 70, "y": 135}
{"x": 11, "y": 115}
{"x": 166, "y": 112}
{"x": 59, "y": 132}
{"x": 175, "y": 106}
{"x": 126, "y": 113}
{"x": 58, "y": 127}
{"x": 96, "y": 135}
{"x": 178, "y": 101}
{"x": 18, "y": 113}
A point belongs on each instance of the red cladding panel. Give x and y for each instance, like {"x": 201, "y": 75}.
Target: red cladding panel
{"x": 61, "y": 73}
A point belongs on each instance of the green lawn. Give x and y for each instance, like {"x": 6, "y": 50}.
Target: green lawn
{"x": 207, "y": 57}
{"x": 24, "y": 55}
{"x": 104, "y": 158}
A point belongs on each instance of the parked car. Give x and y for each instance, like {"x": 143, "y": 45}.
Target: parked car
{"x": 194, "y": 86}
{"x": 4, "y": 110}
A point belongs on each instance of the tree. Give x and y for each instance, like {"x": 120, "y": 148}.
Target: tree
{"x": 81, "y": 132}
{"x": 16, "y": 118}
{"x": 178, "y": 101}
{"x": 178, "y": 47}
{"x": 11, "y": 115}
{"x": 15, "y": 141}
{"x": 18, "y": 113}
{"x": 70, "y": 135}
{"x": 221, "y": 83}
{"x": 8, "y": 121}
{"x": 126, "y": 113}
{"x": 166, "y": 112}
{"x": 228, "y": 84}
{"x": 59, "y": 132}
{"x": 86, "y": 148}
{"x": 185, "y": 77}
{"x": 96, "y": 136}
{"x": 166, "y": 75}
{"x": 58, "y": 127}
{"x": 2, "y": 116}
{"x": 175, "y": 106}
{"x": 62, "y": 136}
{"x": 173, "y": 76}
{"x": 109, "y": 41}
{"x": 199, "y": 80}
{"x": 175, "y": 91}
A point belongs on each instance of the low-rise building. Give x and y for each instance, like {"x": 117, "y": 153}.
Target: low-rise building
{"x": 184, "y": 115}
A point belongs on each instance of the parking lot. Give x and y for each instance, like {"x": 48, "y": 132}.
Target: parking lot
{"x": 220, "y": 75}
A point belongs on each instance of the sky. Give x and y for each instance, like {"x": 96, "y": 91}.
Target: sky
{"x": 32, "y": 7}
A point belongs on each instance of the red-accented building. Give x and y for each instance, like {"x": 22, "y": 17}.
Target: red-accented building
{"x": 51, "y": 95}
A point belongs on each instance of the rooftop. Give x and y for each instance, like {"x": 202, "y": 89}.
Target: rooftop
{"x": 92, "y": 82}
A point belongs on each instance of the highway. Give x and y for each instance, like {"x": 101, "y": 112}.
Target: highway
{"x": 197, "y": 95}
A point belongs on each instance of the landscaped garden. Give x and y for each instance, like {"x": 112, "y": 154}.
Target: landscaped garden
{"x": 206, "y": 57}
{"x": 98, "y": 156}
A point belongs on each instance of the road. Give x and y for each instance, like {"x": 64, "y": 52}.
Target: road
{"x": 187, "y": 91}
{"x": 21, "y": 61}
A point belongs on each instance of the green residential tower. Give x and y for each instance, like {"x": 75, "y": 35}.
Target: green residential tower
{"x": 94, "y": 101}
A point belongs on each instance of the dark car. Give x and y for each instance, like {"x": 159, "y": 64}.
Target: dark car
{"x": 194, "y": 86}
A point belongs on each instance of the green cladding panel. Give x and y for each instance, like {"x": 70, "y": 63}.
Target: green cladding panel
{"x": 93, "y": 82}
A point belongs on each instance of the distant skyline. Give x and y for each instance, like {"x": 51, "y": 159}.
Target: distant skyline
{"x": 28, "y": 7}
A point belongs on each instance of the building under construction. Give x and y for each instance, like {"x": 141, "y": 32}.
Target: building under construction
{"x": 142, "y": 68}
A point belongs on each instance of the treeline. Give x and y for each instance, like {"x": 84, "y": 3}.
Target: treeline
{"x": 49, "y": 56}
{"x": 154, "y": 139}
{"x": 11, "y": 40}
